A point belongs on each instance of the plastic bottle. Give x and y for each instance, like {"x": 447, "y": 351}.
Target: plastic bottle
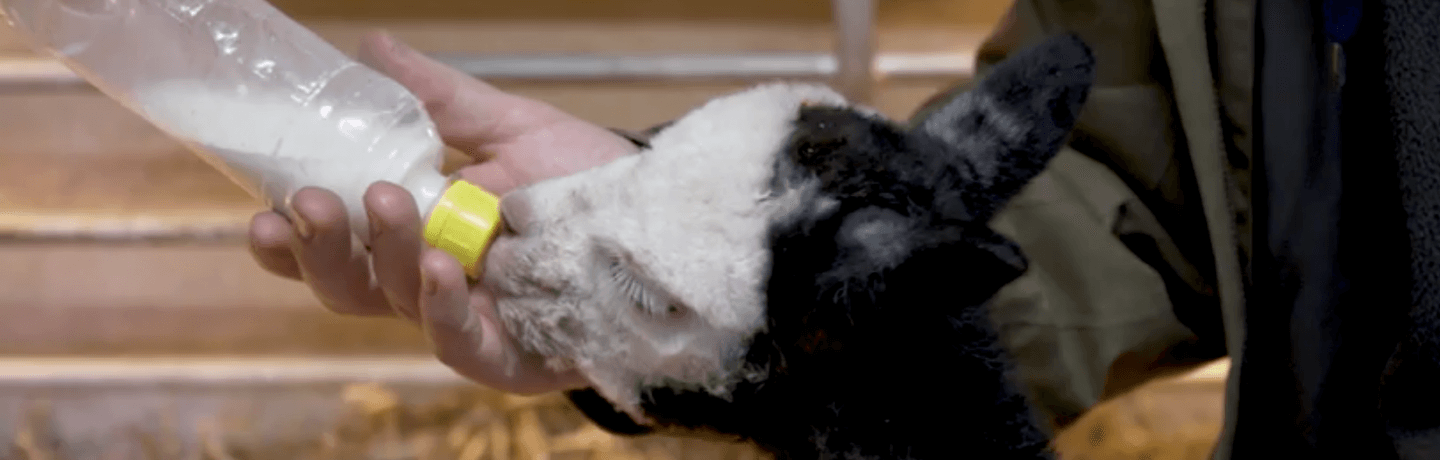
{"x": 266, "y": 101}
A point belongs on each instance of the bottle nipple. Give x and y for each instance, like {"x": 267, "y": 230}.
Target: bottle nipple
{"x": 463, "y": 222}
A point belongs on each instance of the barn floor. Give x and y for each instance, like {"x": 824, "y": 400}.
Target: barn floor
{"x": 409, "y": 409}
{"x": 1171, "y": 418}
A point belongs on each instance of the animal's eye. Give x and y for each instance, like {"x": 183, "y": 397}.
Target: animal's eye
{"x": 675, "y": 311}
{"x": 635, "y": 289}
{"x": 632, "y": 288}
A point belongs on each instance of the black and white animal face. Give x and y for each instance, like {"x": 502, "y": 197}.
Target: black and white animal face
{"x": 661, "y": 269}
{"x": 652, "y": 267}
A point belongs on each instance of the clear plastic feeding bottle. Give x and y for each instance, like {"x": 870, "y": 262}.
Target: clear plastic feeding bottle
{"x": 265, "y": 100}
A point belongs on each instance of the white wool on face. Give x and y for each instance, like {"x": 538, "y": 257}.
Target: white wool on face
{"x": 652, "y": 268}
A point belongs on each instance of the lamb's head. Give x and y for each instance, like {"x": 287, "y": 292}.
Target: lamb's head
{"x": 781, "y": 215}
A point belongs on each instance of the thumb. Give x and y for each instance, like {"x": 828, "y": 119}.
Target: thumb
{"x": 467, "y": 337}
{"x": 468, "y": 113}
{"x": 455, "y": 330}
{"x": 493, "y": 176}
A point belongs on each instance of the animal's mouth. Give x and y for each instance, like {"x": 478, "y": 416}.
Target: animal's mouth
{"x": 509, "y": 272}
{"x": 501, "y": 263}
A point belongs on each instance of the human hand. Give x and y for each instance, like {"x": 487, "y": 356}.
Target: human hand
{"x": 529, "y": 140}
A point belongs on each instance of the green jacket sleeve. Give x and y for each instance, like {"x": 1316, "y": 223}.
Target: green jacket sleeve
{"x": 1120, "y": 286}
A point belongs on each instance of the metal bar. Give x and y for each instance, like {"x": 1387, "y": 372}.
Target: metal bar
{"x": 33, "y": 72}
{"x": 229, "y": 237}
{"x": 147, "y": 371}
{"x": 181, "y": 227}
{"x": 791, "y": 65}
{"x": 36, "y": 72}
{"x": 855, "y": 48}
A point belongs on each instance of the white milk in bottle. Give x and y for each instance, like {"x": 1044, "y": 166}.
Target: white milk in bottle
{"x": 266, "y": 101}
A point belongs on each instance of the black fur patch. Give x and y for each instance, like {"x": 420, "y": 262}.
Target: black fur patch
{"x": 866, "y": 359}
{"x": 878, "y": 344}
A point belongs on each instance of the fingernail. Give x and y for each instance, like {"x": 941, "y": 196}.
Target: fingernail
{"x": 303, "y": 227}
{"x": 374, "y": 225}
{"x": 454, "y": 314}
{"x": 429, "y": 284}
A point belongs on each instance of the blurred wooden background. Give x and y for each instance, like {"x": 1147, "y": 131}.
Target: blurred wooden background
{"x": 72, "y": 158}
{"x": 75, "y": 158}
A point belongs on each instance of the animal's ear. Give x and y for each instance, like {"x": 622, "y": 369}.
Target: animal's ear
{"x": 1000, "y": 260}
{"x": 1008, "y": 127}
{"x": 968, "y": 271}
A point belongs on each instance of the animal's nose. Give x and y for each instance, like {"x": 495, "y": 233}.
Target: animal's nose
{"x": 516, "y": 213}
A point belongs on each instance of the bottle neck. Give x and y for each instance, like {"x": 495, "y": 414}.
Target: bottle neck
{"x": 462, "y": 222}
{"x": 426, "y": 185}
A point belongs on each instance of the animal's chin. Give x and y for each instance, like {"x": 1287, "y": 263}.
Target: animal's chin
{"x": 500, "y": 265}
{"x": 525, "y": 319}
{"x": 521, "y": 305}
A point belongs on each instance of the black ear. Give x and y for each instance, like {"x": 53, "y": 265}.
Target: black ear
{"x": 998, "y": 262}
{"x": 1005, "y": 130}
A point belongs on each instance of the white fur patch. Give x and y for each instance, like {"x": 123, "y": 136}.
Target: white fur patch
{"x": 881, "y": 235}
{"x": 651, "y": 269}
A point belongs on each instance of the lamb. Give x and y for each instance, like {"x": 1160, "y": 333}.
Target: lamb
{"x": 782, "y": 266}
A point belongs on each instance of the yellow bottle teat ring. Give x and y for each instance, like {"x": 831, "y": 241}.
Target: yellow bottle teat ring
{"x": 463, "y": 222}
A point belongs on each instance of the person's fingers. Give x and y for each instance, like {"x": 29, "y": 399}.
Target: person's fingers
{"x": 493, "y": 176}
{"x": 395, "y": 245}
{"x": 337, "y": 273}
{"x": 555, "y": 150}
{"x": 530, "y": 140}
{"x": 458, "y": 335}
{"x": 468, "y": 113}
{"x": 467, "y": 337}
{"x": 270, "y": 236}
